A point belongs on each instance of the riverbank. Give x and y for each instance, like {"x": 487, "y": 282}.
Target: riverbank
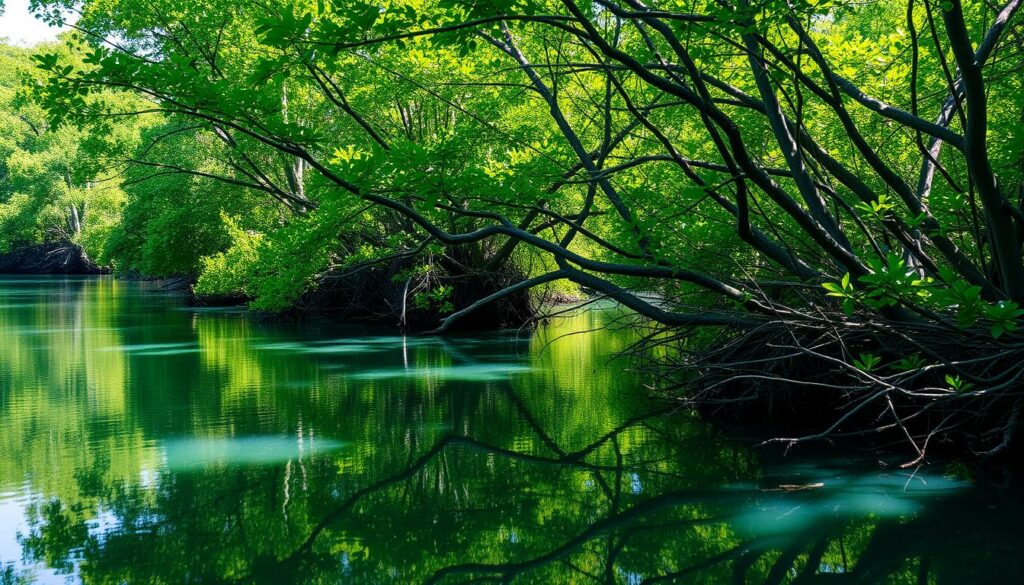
{"x": 390, "y": 294}
{"x": 50, "y": 258}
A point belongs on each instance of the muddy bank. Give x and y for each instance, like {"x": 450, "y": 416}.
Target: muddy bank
{"x": 49, "y": 258}
{"x": 379, "y": 295}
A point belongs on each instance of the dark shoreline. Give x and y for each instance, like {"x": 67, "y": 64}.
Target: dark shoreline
{"x": 54, "y": 258}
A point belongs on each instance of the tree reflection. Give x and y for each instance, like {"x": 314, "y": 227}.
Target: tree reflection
{"x": 594, "y": 514}
{"x": 263, "y": 456}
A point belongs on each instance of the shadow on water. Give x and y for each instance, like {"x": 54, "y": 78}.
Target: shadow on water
{"x": 270, "y": 454}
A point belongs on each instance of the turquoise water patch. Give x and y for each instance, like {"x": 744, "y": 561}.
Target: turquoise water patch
{"x": 322, "y": 349}
{"x": 280, "y": 346}
{"x": 197, "y": 453}
{"x": 463, "y": 373}
{"x": 155, "y": 349}
{"x": 340, "y": 348}
{"x": 345, "y": 346}
{"x": 832, "y": 496}
{"x": 168, "y": 352}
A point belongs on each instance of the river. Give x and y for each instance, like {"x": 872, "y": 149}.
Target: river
{"x": 146, "y": 441}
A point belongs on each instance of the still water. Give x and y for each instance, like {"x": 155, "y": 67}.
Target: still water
{"x": 144, "y": 441}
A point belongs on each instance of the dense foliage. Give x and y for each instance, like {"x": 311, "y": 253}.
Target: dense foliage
{"x": 58, "y": 183}
{"x": 835, "y": 185}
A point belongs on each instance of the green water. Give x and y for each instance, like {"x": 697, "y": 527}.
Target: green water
{"x": 142, "y": 441}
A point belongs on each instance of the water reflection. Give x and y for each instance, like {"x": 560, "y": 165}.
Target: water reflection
{"x": 255, "y": 452}
{"x": 193, "y": 453}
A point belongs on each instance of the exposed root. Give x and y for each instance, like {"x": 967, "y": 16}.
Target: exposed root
{"x": 401, "y": 293}
{"x": 63, "y": 257}
{"x": 909, "y": 385}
